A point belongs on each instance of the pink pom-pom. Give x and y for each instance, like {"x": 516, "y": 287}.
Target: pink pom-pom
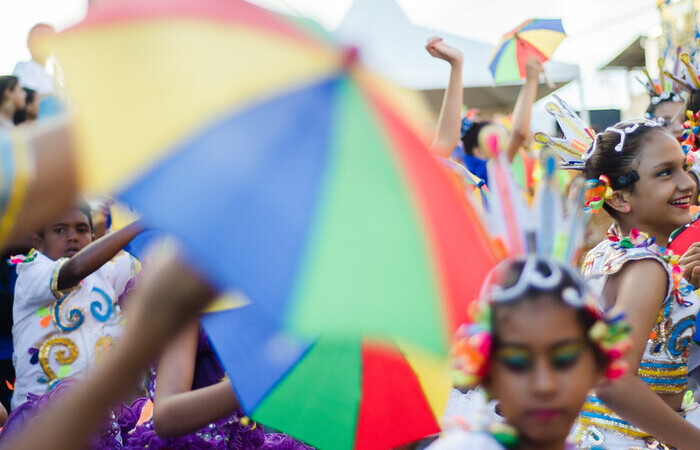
{"x": 615, "y": 353}
{"x": 485, "y": 344}
{"x": 492, "y": 143}
{"x": 616, "y": 369}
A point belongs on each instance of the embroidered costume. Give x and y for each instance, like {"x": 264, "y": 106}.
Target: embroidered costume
{"x": 664, "y": 362}
{"x": 59, "y": 334}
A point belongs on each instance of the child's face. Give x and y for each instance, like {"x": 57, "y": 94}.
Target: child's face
{"x": 673, "y": 119}
{"x": 65, "y": 237}
{"x": 18, "y": 96}
{"x": 541, "y": 369}
{"x": 660, "y": 201}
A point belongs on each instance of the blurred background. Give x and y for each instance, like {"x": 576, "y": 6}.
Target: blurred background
{"x": 594, "y": 68}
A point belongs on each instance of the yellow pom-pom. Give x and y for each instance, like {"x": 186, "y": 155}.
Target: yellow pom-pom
{"x": 245, "y": 421}
{"x": 598, "y": 331}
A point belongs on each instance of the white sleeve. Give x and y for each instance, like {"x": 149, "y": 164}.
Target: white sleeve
{"x": 37, "y": 282}
{"x": 120, "y": 270}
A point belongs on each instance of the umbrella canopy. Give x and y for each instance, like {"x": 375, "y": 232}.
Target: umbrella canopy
{"x": 331, "y": 393}
{"x": 534, "y": 37}
{"x": 284, "y": 168}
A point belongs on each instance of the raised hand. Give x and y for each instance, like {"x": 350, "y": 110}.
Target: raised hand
{"x": 439, "y": 49}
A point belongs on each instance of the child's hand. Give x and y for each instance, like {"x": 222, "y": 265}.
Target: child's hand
{"x": 690, "y": 263}
{"x": 533, "y": 69}
{"x": 438, "y": 49}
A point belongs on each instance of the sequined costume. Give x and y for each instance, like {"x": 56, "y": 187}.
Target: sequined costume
{"x": 233, "y": 432}
{"x": 664, "y": 361}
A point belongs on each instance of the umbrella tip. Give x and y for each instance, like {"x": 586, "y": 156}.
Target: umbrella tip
{"x": 350, "y": 56}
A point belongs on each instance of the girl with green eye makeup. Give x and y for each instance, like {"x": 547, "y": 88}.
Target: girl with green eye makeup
{"x": 561, "y": 356}
{"x": 537, "y": 346}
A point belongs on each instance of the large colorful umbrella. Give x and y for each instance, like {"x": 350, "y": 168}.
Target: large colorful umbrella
{"x": 534, "y": 37}
{"x": 285, "y": 169}
{"x": 331, "y": 393}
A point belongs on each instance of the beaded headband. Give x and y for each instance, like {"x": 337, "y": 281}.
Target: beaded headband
{"x": 474, "y": 341}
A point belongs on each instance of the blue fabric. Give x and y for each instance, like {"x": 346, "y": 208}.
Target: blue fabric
{"x": 544, "y": 24}
{"x": 5, "y": 347}
{"x": 253, "y": 350}
{"x": 647, "y": 365}
{"x": 138, "y": 246}
{"x": 477, "y": 166}
{"x": 50, "y": 106}
{"x": 241, "y": 195}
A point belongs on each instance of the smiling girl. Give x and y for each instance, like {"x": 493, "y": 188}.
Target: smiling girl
{"x": 638, "y": 174}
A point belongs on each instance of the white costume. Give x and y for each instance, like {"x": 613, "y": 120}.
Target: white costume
{"x": 58, "y": 334}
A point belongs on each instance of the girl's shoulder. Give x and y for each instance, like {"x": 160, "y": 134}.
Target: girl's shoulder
{"x": 611, "y": 254}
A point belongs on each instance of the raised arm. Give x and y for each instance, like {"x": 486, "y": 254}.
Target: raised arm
{"x": 95, "y": 255}
{"x": 177, "y": 408}
{"x": 523, "y": 107}
{"x": 450, "y": 121}
{"x": 640, "y": 289}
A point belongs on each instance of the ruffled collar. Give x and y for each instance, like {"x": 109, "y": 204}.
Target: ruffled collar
{"x": 639, "y": 239}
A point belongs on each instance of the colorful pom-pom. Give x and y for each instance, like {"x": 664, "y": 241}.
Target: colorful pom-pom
{"x": 598, "y": 331}
{"x": 616, "y": 369}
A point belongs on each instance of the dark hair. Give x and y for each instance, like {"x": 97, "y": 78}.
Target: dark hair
{"x": 694, "y": 101}
{"x": 84, "y": 208}
{"x": 471, "y": 137}
{"x": 605, "y": 160}
{"x": 7, "y": 82}
{"x": 510, "y": 277}
{"x": 21, "y": 114}
{"x": 658, "y": 100}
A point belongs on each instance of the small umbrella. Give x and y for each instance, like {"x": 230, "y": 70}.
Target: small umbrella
{"x": 331, "y": 393}
{"x": 534, "y": 37}
{"x": 284, "y": 168}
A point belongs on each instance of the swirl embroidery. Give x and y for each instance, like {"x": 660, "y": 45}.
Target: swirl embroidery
{"x": 66, "y": 354}
{"x": 74, "y": 318}
{"x": 97, "y": 306}
{"x": 102, "y": 348}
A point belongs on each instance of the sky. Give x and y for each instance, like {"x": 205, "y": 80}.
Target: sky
{"x": 21, "y": 15}
{"x": 598, "y": 29}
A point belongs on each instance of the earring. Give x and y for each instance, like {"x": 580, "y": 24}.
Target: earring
{"x": 628, "y": 208}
